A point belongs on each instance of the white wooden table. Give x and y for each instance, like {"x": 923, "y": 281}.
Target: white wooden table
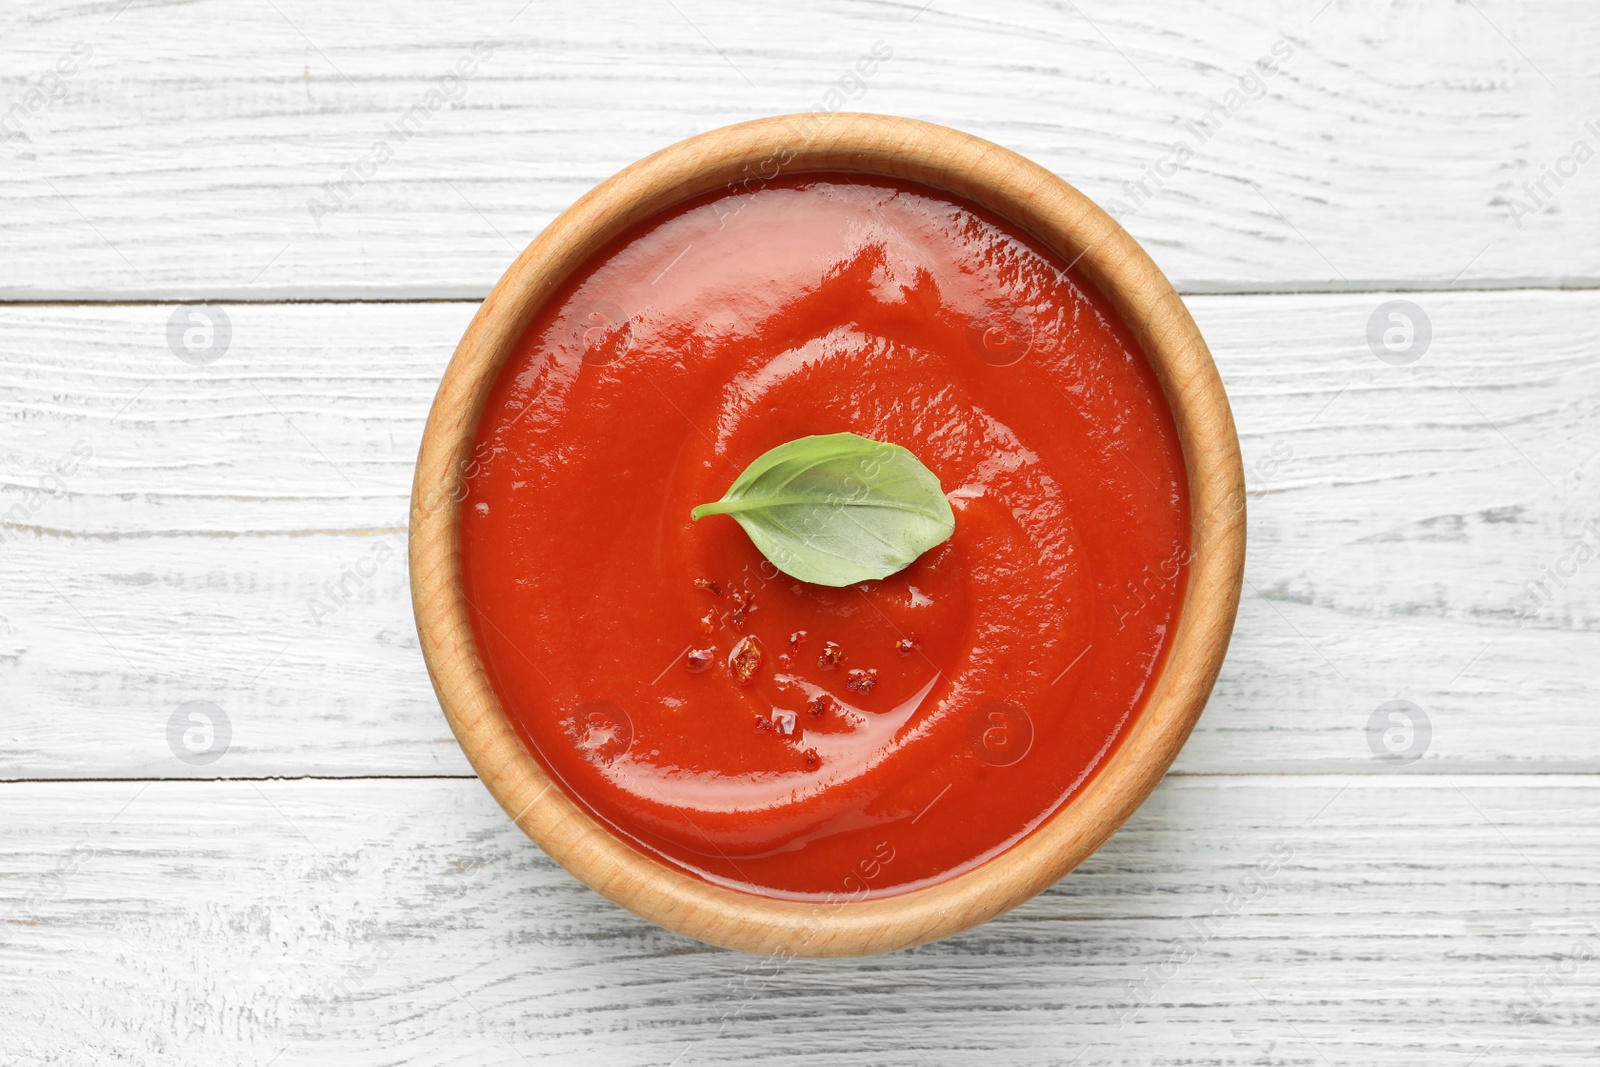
{"x": 335, "y": 887}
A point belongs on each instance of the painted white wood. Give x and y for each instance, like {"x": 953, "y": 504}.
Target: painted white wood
{"x": 176, "y": 523}
{"x": 181, "y": 154}
{"x": 1322, "y": 920}
{"x": 1396, "y": 513}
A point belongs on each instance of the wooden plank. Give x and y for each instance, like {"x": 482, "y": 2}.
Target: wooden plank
{"x": 178, "y": 151}
{"x": 216, "y": 542}
{"x": 1398, "y": 515}
{"x": 1315, "y": 920}
{"x": 235, "y": 534}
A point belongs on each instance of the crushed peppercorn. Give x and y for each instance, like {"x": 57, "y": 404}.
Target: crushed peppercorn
{"x": 744, "y": 660}
{"x": 743, "y": 605}
{"x": 862, "y": 681}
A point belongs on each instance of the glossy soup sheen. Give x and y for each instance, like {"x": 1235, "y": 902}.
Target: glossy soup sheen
{"x": 891, "y": 734}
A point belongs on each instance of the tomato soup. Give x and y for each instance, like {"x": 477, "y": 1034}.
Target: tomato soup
{"x": 789, "y": 739}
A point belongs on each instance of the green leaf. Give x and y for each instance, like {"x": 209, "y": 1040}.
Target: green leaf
{"x": 838, "y": 509}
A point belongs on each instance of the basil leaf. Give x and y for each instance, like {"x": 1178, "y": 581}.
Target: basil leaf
{"x": 839, "y": 508}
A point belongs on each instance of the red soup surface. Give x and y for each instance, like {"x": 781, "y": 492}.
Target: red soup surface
{"x": 894, "y": 733}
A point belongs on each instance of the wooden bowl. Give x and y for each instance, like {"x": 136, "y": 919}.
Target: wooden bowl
{"x": 741, "y": 156}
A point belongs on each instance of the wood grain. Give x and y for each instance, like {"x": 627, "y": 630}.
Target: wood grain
{"x": 1396, "y": 513}
{"x": 1404, "y": 921}
{"x": 182, "y": 156}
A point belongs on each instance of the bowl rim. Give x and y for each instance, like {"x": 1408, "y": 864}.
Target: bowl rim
{"x": 741, "y": 158}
